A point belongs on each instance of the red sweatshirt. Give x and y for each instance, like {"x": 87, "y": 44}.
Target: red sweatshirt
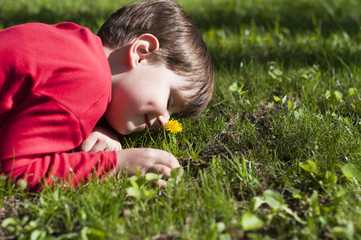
{"x": 55, "y": 84}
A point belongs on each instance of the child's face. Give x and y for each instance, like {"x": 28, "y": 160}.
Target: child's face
{"x": 145, "y": 96}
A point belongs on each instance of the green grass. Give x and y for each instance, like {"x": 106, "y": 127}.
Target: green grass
{"x": 275, "y": 156}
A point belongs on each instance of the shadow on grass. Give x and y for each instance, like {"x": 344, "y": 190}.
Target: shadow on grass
{"x": 86, "y": 17}
{"x": 234, "y": 59}
{"x": 296, "y": 16}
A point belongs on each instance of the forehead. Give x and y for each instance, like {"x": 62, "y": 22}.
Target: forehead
{"x": 184, "y": 84}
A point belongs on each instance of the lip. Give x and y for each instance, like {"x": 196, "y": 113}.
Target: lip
{"x": 147, "y": 122}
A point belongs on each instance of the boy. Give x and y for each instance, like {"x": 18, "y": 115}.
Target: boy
{"x": 57, "y": 81}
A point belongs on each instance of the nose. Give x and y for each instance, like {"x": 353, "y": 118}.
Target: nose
{"x": 163, "y": 119}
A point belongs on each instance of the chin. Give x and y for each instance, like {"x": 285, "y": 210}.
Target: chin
{"x": 128, "y": 128}
{"x": 122, "y": 131}
{"x": 126, "y": 131}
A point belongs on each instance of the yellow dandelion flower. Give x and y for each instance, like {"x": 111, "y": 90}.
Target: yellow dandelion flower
{"x": 173, "y": 126}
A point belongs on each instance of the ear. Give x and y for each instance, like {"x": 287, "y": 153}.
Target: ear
{"x": 142, "y": 48}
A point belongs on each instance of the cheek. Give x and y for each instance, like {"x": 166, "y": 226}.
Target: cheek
{"x": 124, "y": 108}
{"x": 126, "y": 96}
{"x": 161, "y": 98}
{"x": 131, "y": 99}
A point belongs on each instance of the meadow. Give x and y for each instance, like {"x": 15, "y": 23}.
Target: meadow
{"x": 276, "y": 155}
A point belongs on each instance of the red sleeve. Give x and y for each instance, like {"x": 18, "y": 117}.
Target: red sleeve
{"x": 69, "y": 168}
{"x": 33, "y": 135}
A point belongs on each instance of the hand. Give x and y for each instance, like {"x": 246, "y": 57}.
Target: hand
{"x": 146, "y": 160}
{"x": 101, "y": 139}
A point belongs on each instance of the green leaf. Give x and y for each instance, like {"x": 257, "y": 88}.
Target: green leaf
{"x": 275, "y": 73}
{"x": 293, "y": 214}
{"x": 37, "y": 234}
{"x": 309, "y": 166}
{"x": 12, "y": 225}
{"x": 133, "y": 192}
{"x": 68, "y": 236}
{"x": 338, "y": 95}
{"x": 334, "y": 97}
{"x": 287, "y": 210}
{"x": 345, "y": 232}
{"x": 314, "y": 203}
{"x": 97, "y": 234}
{"x": 81, "y": 215}
{"x": 328, "y": 94}
{"x": 242, "y": 92}
{"x": 251, "y": 222}
{"x": 271, "y": 104}
{"x": 290, "y": 105}
{"x": 277, "y": 99}
{"x": 134, "y": 183}
{"x": 133, "y": 178}
{"x": 256, "y": 203}
{"x": 273, "y": 199}
{"x": 352, "y": 91}
{"x": 149, "y": 193}
{"x": 9, "y": 221}
{"x": 298, "y": 194}
{"x": 236, "y": 87}
{"x": 84, "y": 233}
{"x": 331, "y": 178}
{"x": 150, "y": 177}
{"x": 351, "y": 171}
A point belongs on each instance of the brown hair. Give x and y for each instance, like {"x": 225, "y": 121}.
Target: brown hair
{"x": 182, "y": 48}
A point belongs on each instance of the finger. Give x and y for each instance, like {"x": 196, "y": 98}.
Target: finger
{"x": 115, "y": 146}
{"x": 88, "y": 143}
{"x": 110, "y": 145}
{"x": 98, "y": 146}
{"x": 168, "y": 159}
{"x": 161, "y": 169}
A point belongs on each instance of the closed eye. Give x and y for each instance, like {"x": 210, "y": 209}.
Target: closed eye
{"x": 170, "y": 103}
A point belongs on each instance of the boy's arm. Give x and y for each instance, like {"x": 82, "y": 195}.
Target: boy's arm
{"x": 74, "y": 168}
{"x": 102, "y": 138}
{"x": 34, "y": 140}
{"x": 69, "y": 168}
